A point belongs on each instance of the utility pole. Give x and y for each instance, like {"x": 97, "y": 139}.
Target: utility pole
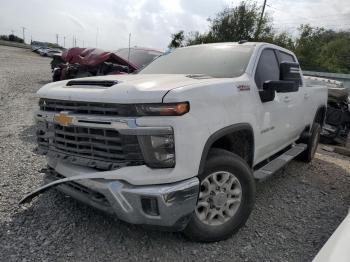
{"x": 96, "y": 36}
{"x": 129, "y": 52}
{"x": 260, "y": 20}
{"x": 57, "y": 39}
{"x": 64, "y": 41}
{"x": 23, "y": 28}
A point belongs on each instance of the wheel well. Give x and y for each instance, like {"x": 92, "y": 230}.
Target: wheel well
{"x": 238, "y": 139}
{"x": 320, "y": 115}
{"x": 239, "y": 143}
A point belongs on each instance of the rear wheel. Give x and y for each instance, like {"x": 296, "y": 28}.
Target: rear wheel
{"x": 226, "y": 198}
{"x": 312, "y": 143}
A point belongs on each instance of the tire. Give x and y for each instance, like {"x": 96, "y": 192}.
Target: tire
{"x": 223, "y": 166}
{"x": 312, "y": 142}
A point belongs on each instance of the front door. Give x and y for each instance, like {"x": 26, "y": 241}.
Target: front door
{"x": 276, "y": 119}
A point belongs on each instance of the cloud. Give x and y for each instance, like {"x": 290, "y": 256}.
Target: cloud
{"x": 203, "y": 8}
{"x": 329, "y": 14}
{"x": 151, "y": 22}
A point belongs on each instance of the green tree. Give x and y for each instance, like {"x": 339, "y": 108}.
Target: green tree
{"x": 319, "y": 49}
{"x": 335, "y": 55}
{"x": 284, "y": 40}
{"x": 177, "y": 39}
{"x": 234, "y": 24}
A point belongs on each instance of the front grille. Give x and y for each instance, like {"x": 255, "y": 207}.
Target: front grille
{"x": 103, "y": 144}
{"x": 93, "y": 108}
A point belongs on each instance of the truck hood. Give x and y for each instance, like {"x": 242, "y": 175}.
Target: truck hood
{"x": 141, "y": 88}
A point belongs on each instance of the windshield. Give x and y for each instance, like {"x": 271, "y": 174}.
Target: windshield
{"x": 138, "y": 57}
{"x": 223, "y": 61}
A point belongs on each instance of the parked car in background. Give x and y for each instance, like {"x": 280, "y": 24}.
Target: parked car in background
{"x": 49, "y": 52}
{"x": 84, "y": 62}
{"x": 36, "y": 45}
{"x": 43, "y": 49}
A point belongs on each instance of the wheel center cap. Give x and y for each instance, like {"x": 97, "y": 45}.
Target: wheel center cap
{"x": 220, "y": 199}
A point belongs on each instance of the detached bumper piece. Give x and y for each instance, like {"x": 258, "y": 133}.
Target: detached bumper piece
{"x": 167, "y": 205}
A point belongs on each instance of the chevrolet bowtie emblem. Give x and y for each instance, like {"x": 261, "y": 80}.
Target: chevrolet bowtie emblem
{"x": 63, "y": 119}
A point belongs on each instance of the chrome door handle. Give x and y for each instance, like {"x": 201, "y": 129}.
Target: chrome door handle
{"x": 286, "y": 99}
{"x": 306, "y": 96}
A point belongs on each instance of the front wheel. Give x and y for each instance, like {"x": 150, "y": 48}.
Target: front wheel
{"x": 226, "y": 198}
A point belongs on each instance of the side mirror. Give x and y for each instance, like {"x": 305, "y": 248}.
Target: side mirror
{"x": 268, "y": 92}
{"x": 290, "y": 71}
{"x": 271, "y": 87}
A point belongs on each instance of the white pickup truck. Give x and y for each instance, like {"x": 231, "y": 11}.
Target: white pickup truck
{"x": 182, "y": 143}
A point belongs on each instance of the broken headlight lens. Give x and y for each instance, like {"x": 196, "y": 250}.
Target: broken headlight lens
{"x": 158, "y": 150}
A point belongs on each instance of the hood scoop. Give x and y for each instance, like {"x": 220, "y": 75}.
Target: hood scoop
{"x": 101, "y": 83}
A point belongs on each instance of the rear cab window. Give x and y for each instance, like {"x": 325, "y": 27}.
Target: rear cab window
{"x": 285, "y": 57}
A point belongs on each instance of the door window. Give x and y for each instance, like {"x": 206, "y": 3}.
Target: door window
{"x": 267, "y": 69}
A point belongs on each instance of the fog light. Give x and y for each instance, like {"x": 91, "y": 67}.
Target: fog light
{"x": 150, "y": 206}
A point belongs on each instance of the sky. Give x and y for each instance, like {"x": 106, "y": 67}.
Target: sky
{"x": 108, "y": 23}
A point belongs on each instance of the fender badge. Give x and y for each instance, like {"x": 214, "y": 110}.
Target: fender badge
{"x": 63, "y": 119}
{"x": 243, "y": 87}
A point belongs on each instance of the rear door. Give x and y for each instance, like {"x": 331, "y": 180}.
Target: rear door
{"x": 296, "y": 102}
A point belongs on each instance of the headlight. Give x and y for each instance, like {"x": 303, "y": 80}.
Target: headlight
{"x": 170, "y": 109}
{"x": 158, "y": 150}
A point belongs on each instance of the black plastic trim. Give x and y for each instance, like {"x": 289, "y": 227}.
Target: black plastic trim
{"x": 219, "y": 134}
{"x": 104, "y": 83}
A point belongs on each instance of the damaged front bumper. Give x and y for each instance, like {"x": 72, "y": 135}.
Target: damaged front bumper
{"x": 166, "y": 205}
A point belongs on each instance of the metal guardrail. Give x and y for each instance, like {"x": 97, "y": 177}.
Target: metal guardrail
{"x": 343, "y": 78}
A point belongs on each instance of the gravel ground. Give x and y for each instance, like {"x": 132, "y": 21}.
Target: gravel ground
{"x": 296, "y": 210}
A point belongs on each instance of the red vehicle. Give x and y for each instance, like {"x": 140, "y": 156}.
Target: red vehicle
{"x": 83, "y": 62}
